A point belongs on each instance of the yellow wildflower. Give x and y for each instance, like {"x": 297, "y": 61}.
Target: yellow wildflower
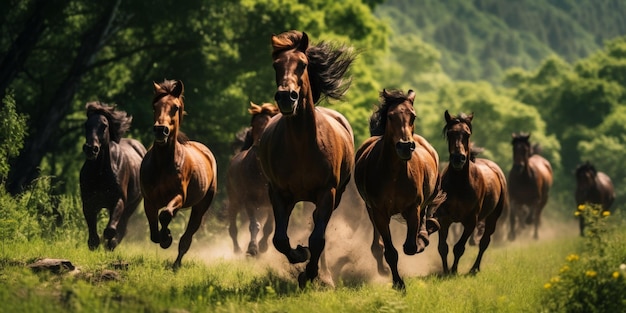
{"x": 591, "y": 273}
{"x": 606, "y": 213}
{"x": 555, "y": 279}
{"x": 547, "y": 285}
{"x": 581, "y": 207}
{"x": 564, "y": 269}
{"x": 615, "y": 275}
{"x": 572, "y": 257}
{"x": 577, "y": 213}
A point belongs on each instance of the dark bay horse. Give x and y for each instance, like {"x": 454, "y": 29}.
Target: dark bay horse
{"x": 110, "y": 175}
{"x": 246, "y": 185}
{"x": 593, "y": 187}
{"x": 529, "y": 181}
{"x": 176, "y": 172}
{"x": 476, "y": 192}
{"x": 397, "y": 172}
{"x": 306, "y": 152}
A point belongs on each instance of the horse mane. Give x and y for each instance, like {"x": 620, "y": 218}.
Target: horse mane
{"x": 328, "y": 64}
{"x": 378, "y": 120}
{"x": 475, "y": 151}
{"x": 119, "y": 121}
{"x": 167, "y": 86}
{"x": 243, "y": 139}
{"x": 461, "y": 118}
{"x": 267, "y": 108}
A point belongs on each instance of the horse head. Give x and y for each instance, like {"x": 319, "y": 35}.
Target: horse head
{"x": 521, "y": 151}
{"x": 399, "y": 122}
{"x": 96, "y": 134}
{"x": 168, "y": 109}
{"x": 261, "y": 115}
{"x": 290, "y": 64}
{"x": 458, "y": 130}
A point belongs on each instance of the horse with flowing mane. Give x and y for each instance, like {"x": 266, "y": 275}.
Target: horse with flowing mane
{"x": 247, "y": 187}
{"x": 593, "y": 187}
{"x": 397, "y": 172}
{"x": 306, "y": 151}
{"x": 109, "y": 177}
{"x": 476, "y": 192}
{"x": 530, "y": 179}
{"x": 176, "y": 172}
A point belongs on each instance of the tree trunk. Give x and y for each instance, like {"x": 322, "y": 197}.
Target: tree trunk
{"x": 25, "y": 167}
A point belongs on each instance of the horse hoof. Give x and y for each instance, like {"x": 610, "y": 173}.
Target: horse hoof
{"x": 399, "y": 285}
{"x": 263, "y": 246}
{"x": 93, "y": 244}
{"x": 110, "y": 233}
{"x": 432, "y": 225}
{"x": 383, "y": 270}
{"x": 111, "y": 244}
{"x": 253, "y": 250}
{"x": 302, "y": 279}
{"x": 299, "y": 254}
{"x": 410, "y": 249}
{"x": 165, "y": 239}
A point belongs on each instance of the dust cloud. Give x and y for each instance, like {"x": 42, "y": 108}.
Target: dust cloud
{"x": 347, "y": 257}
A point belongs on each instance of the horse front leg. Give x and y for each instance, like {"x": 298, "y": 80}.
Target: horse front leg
{"x": 268, "y": 227}
{"x": 254, "y": 226}
{"x": 459, "y": 247}
{"x": 91, "y": 217}
{"x": 195, "y": 220}
{"x": 413, "y": 244}
{"x": 152, "y": 214}
{"x": 317, "y": 241}
{"x": 282, "y": 211}
{"x": 514, "y": 209}
{"x": 165, "y": 217}
{"x": 381, "y": 223}
{"x": 442, "y": 245}
{"x": 377, "y": 245}
{"x": 110, "y": 232}
{"x": 233, "y": 211}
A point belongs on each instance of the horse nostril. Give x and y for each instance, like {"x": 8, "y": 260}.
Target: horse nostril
{"x": 412, "y": 146}
{"x": 293, "y": 96}
{"x": 96, "y": 149}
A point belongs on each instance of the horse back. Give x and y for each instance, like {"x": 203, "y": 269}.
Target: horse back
{"x": 244, "y": 180}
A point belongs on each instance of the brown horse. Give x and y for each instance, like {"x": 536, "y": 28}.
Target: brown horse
{"x": 476, "y": 192}
{"x": 396, "y": 172}
{"x": 246, "y": 185}
{"x": 110, "y": 175}
{"x": 306, "y": 152}
{"x": 593, "y": 187}
{"x": 529, "y": 183}
{"x": 176, "y": 173}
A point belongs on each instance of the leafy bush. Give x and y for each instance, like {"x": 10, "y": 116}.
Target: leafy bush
{"x": 12, "y": 132}
{"x": 594, "y": 279}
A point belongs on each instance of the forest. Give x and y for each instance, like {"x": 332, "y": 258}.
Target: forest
{"x": 555, "y": 69}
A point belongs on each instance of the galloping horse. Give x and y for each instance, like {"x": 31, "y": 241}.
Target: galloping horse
{"x": 246, "y": 185}
{"x": 306, "y": 152}
{"x": 593, "y": 187}
{"x": 396, "y": 172}
{"x": 476, "y": 192}
{"x": 529, "y": 183}
{"x": 110, "y": 175}
{"x": 176, "y": 173}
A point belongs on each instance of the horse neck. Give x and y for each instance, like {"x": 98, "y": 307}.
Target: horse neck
{"x": 464, "y": 175}
{"x": 169, "y": 153}
{"x": 105, "y": 158}
{"x": 304, "y": 119}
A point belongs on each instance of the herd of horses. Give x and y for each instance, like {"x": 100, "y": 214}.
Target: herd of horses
{"x": 297, "y": 151}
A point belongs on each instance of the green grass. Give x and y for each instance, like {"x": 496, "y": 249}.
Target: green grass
{"x": 512, "y": 280}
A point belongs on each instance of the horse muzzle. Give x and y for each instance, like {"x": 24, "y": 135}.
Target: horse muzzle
{"x": 91, "y": 152}
{"x": 405, "y": 149}
{"x": 287, "y": 101}
{"x": 161, "y": 133}
{"x": 457, "y": 161}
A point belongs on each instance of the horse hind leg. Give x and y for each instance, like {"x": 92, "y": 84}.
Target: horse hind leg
{"x": 490, "y": 227}
{"x": 91, "y": 217}
{"x": 459, "y": 247}
{"x": 232, "y": 227}
{"x": 268, "y": 227}
{"x": 195, "y": 220}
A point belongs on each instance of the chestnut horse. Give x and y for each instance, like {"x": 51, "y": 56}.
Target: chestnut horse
{"x": 593, "y": 187}
{"x": 109, "y": 177}
{"x": 476, "y": 192}
{"x": 306, "y": 152}
{"x": 246, "y": 185}
{"x": 397, "y": 172}
{"x": 176, "y": 173}
{"x": 529, "y": 183}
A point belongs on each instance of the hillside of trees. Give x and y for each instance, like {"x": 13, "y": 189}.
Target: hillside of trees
{"x": 556, "y": 69}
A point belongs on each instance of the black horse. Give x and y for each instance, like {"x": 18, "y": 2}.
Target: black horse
{"x": 110, "y": 175}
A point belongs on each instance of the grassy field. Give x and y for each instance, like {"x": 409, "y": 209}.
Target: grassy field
{"x": 212, "y": 279}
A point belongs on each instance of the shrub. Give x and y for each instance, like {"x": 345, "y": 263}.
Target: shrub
{"x": 592, "y": 280}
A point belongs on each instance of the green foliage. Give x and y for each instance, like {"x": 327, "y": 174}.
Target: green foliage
{"x": 12, "y": 131}
{"x": 592, "y": 280}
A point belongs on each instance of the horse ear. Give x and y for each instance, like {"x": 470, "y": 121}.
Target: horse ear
{"x": 447, "y": 116}
{"x": 304, "y": 42}
{"x": 253, "y": 108}
{"x": 411, "y": 95}
{"x": 470, "y": 116}
{"x": 179, "y": 89}
{"x": 156, "y": 87}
